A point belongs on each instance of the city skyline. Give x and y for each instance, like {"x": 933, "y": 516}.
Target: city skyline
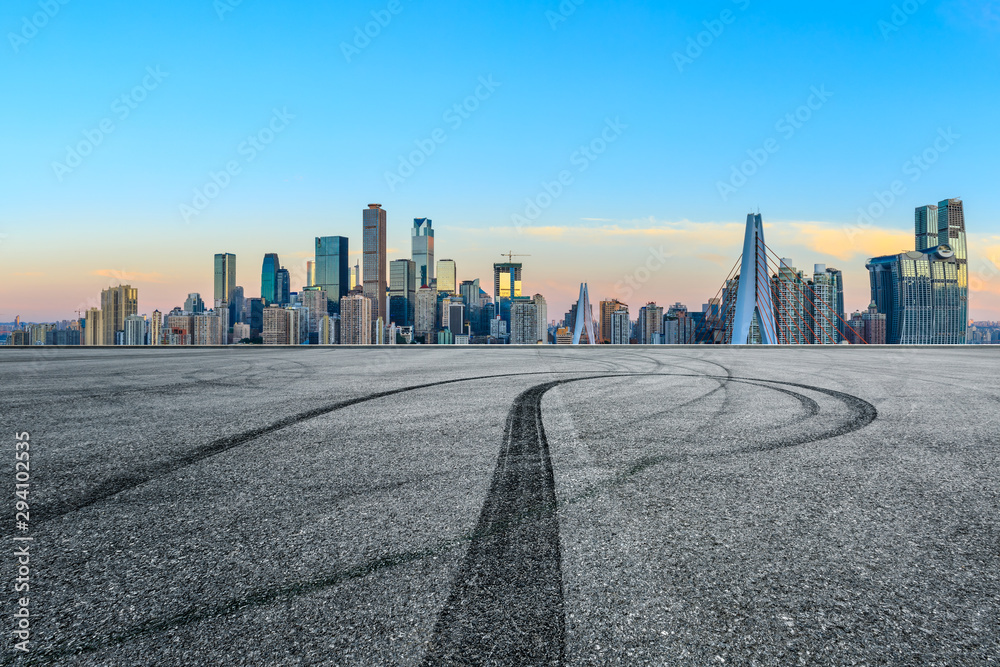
{"x": 692, "y": 129}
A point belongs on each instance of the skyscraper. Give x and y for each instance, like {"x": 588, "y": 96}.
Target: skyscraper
{"x": 402, "y": 291}
{"x": 276, "y": 321}
{"x": 447, "y": 276}
{"x": 310, "y": 273}
{"x": 156, "y": 328}
{"x": 470, "y": 292}
{"x": 422, "y": 242}
{"x": 269, "y": 279}
{"x": 506, "y": 281}
{"x": 921, "y": 295}
{"x": 375, "y": 278}
{"x": 94, "y": 328}
{"x": 135, "y": 330}
{"x": 839, "y": 315}
{"x": 283, "y": 287}
{"x": 194, "y": 303}
{"x": 355, "y": 281}
{"x": 650, "y": 325}
{"x": 926, "y": 227}
{"x": 822, "y": 293}
{"x": 425, "y": 315}
{"x": 620, "y": 333}
{"x": 117, "y": 303}
{"x": 332, "y": 268}
{"x": 523, "y": 321}
{"x": 542, "y": 317}
{"x": 356, "y": 320}
{"x": 315, "y": 300}
{"x": 951, "y": 232}
{"x": 225, "y": 278}
{"x": 607, "y": 309}
{"x": 789, "y": 286}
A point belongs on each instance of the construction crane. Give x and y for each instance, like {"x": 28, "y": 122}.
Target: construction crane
{"x": 510, "y": 256}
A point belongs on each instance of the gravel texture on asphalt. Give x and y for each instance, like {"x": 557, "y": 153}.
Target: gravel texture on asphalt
{"x": 508, "y": 506}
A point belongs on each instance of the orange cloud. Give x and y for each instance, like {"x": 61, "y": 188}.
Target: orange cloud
{"x": 845, "y": 242}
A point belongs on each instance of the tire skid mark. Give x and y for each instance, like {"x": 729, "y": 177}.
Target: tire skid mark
{"x": 497, "y": 525}
{"x": 113, "y": 486}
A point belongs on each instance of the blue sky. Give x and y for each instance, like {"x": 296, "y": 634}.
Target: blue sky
{"x": 892, "y": 83}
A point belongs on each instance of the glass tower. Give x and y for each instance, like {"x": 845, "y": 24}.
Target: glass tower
{"x": 332, "y": 269}
{"x": 269, "y": 278}
{"x": 402, "y": 291}
{"x": 951, "y": 232}
{"x": 374, "y": 267}
{"x": 422, "y": 238}
{"x": 447, "y": 276}
{"x": 926, "y": 227}
{"x": 225, "y": 277}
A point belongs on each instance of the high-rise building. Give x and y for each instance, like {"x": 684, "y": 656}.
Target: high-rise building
{"x": 332, "y": 268}
{"x": 523, "y": 321}
{"x": 650, "y": 325}
{"x": 922, "y": 297}
{"x": 375, "y": 275}
{"x": 926, "y": 227}
{"x": 156, "y": 328}
{"x": 135, "y": 330}
{"x": 620, "y": 326}
{"x": 822, "y": 292}
{"x": 328, "y": 329}
{"x": 276, "y": 326}
{"x": 425, "y": 315}
{"x": 225, "y": 277}
{"x": 447, "y": 276}
{"x": 315, "y": 300}
{"x": 951, "y": 232}
{"x": 422, "y": 245}
{"x": 355, "y": 280}
{"x": 789, "y": 287}
{"x": 607, "y": 309}
{"x": 402, "y": 291}
{"x": 117, "y": 303}
{"x": 679, "y": 326}
{"x": 237, "y": 306}
{"x": 283, "y": 287}
{"x": 470, "y": 292}
{"x": 209, "y": 328}
{"x": 194, "y": 303}
{"x": 94, "y": 328}
{"x": 542, "y": 318}
{"x": 874, "y": 326}
{"x": 310, "y": 273}
{"x": 506, "y": 281}
{"x": 269, "y": 279}
{"x": 356, "y": 320}
{"x": 837, "y": 306}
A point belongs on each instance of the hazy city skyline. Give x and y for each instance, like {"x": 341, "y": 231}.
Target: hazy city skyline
{"x": 695, "y": 125}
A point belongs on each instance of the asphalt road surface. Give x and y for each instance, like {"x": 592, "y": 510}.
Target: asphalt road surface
{"x": 506, "y": 506}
